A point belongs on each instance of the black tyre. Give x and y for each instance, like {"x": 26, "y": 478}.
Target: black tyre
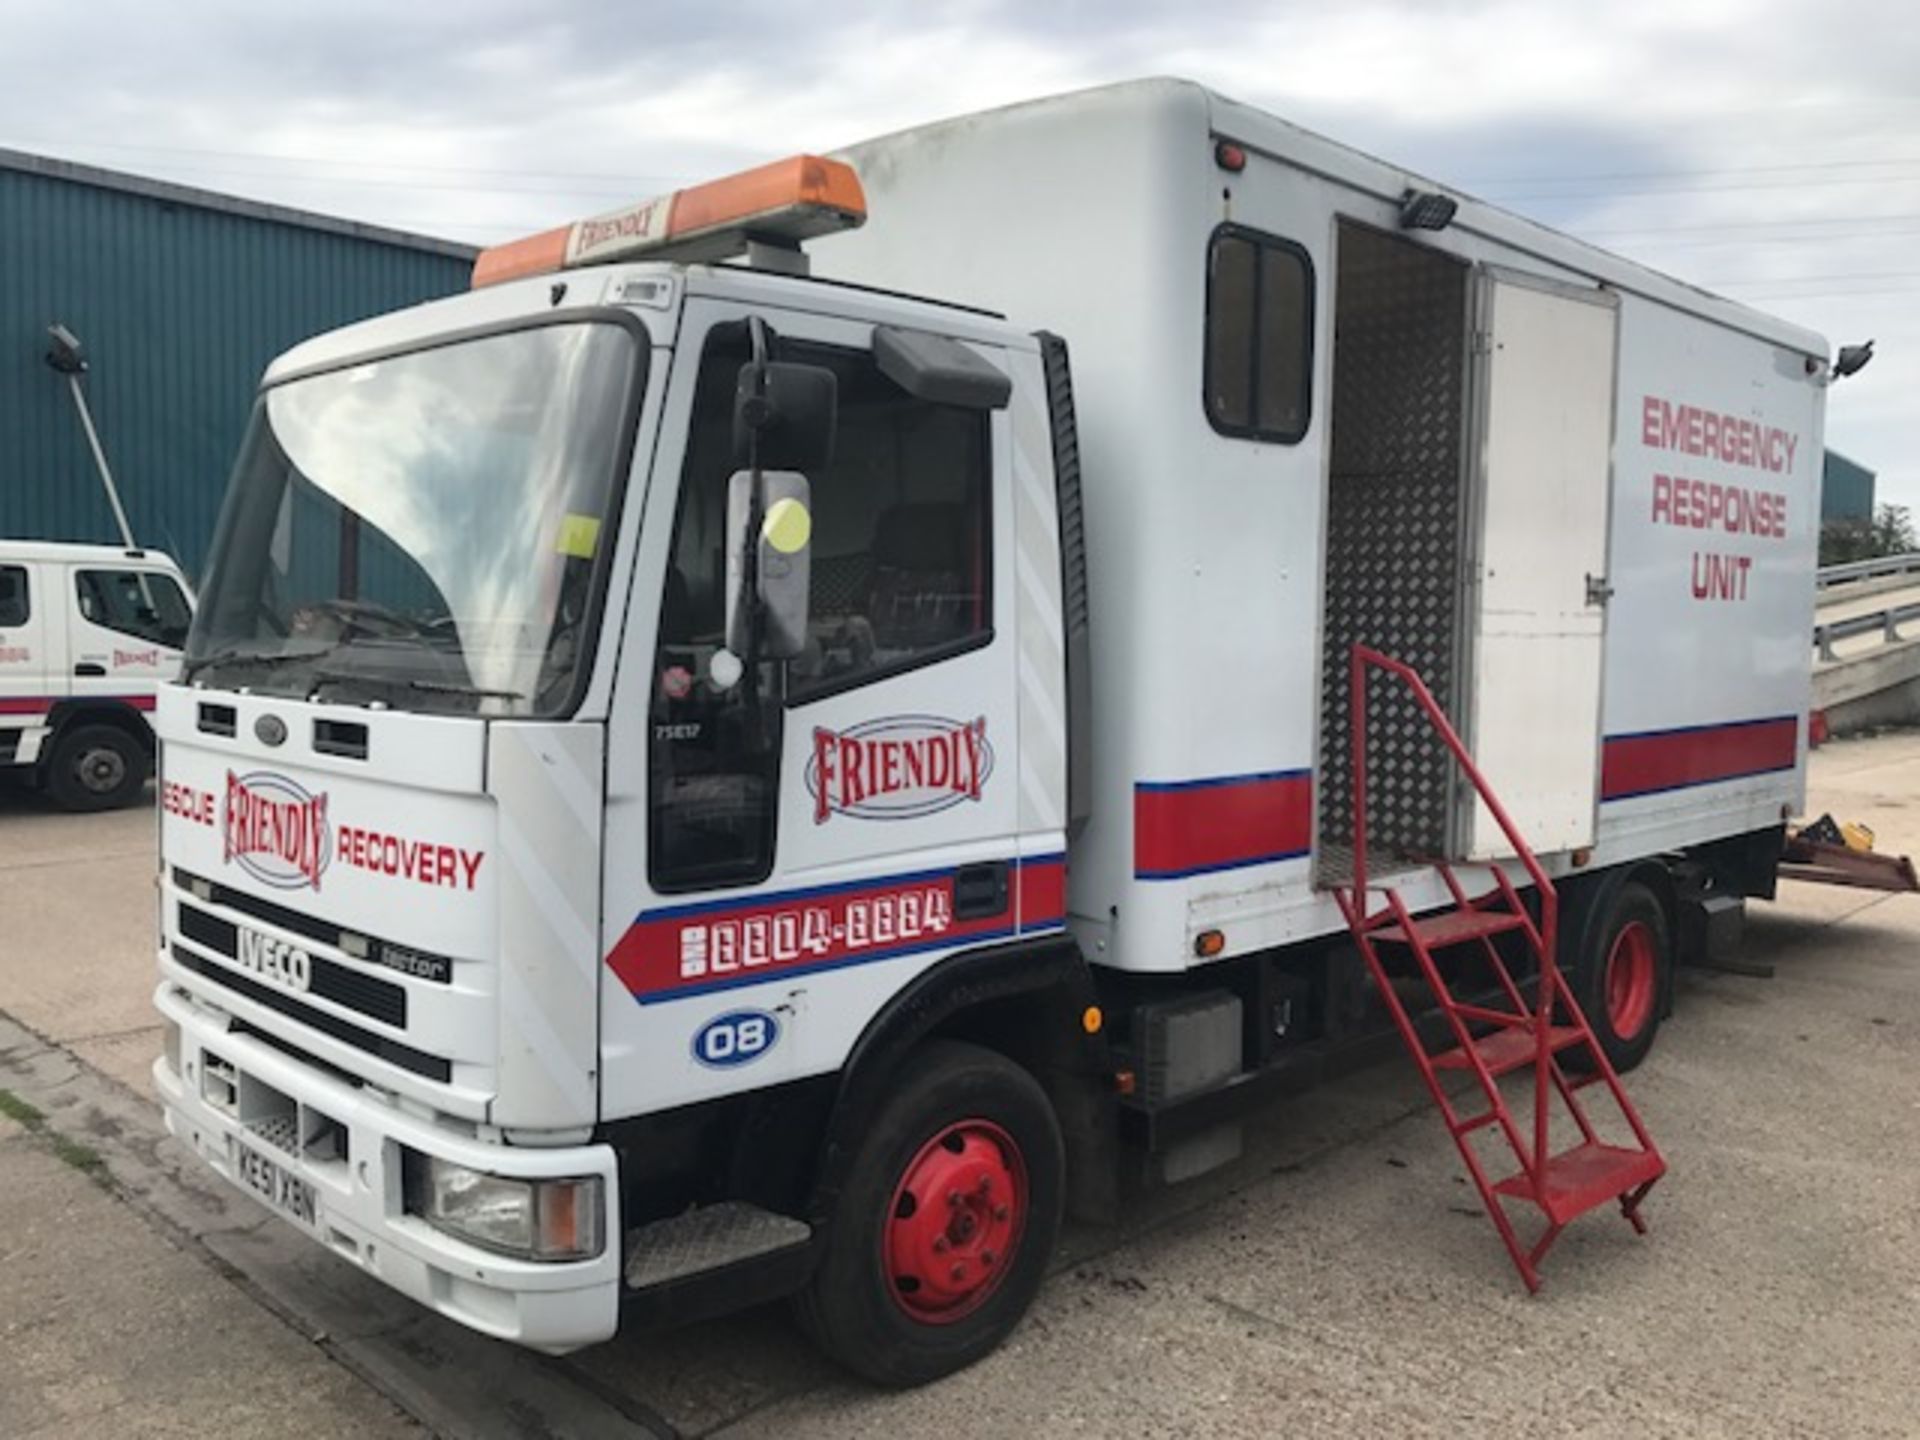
{"x": 1622, "y": 974}
{"x": 943, "y": 1232}
{"x": 95, "y": 767}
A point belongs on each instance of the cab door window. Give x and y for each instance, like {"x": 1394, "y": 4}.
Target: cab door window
{"x": 900, "y": 578}
{"x": 142, "y": 604}
{"x": 15, "y": 608}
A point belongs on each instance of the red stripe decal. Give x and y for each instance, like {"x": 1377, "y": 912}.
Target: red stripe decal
{"x": 40, "y": 704}
{"x": 682, "y": 950}
{"x": 1042, "y": 890}
{"x": 1649, "y": 763}
{"x": 1193, "y": 826}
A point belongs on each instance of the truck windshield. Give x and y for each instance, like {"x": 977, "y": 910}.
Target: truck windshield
{"x": 424, "y": 530}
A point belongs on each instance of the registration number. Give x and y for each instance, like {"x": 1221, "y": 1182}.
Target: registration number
{"x": 275, "y": 1184}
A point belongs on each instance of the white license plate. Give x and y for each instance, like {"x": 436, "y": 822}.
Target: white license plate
{"x": 275, "y": 1184}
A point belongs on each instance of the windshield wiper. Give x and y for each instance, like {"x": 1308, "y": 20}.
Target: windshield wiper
{"x": 373, "y": 680}
{"x": 447, "y": 687}
{"x": 234, "y": 655}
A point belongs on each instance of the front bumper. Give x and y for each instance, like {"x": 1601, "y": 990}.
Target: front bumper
{"x": 356, "y": 1181}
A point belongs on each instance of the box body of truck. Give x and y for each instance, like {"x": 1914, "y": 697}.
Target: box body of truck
{"x": 532, "y": 949}
{"x": 1581, "y": 498}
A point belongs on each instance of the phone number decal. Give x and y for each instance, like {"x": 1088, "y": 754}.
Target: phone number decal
{"x": 693, "y": 949}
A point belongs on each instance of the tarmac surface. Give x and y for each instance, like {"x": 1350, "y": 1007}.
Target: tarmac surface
{"x": 1339, "y": 1280}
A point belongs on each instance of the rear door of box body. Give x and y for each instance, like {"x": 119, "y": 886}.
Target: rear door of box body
{"x": 1536, "y": 614}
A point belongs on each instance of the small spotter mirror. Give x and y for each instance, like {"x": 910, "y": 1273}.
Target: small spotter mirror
{"x": 791, "y": 417}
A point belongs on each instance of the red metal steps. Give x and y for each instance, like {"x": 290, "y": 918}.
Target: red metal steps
{"x": 1451, "y": 927}
{"x": 1507, "y": 1050}
{"x": 1577, "y": 1180}
{"x": 1528, "y": 1034}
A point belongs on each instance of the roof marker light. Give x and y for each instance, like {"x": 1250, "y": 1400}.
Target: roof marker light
{"x": 786, "y": 202}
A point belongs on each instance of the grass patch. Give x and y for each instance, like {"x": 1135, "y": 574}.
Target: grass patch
{"x": 14, "y": 1108}
{"x": 84, "y": 1158}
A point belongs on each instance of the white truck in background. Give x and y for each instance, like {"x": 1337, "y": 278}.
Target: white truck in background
{"x": 695, "y": 782}
{"x": 88, "y": 633}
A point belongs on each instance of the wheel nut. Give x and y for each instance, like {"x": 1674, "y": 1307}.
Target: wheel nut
{"x": 999, "y": 1212}
{"x": 959, "y": 1272}
{"x": 953, "y": 1197}
{"x": 987, "y": 1257}
{"x": 940, "y": 1244}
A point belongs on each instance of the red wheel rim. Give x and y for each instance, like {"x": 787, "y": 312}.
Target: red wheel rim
{"x": 1630, "y": 980}
{"x": 955, "y": 1222}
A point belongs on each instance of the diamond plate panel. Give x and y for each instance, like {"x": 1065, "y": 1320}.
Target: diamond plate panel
{"x": 706, "y": 1239}
{"x": 1393, "y": 576}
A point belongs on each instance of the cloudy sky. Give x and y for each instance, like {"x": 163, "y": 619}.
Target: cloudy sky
{"x": 1768, "y": 150}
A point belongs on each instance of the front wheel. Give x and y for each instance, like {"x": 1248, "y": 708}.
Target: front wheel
{"x": 1623, "y": 974}
{"x": 943, "y": 1232}
{"x": 95, "y": 767}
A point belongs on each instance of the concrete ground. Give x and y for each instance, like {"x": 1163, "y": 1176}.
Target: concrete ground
{"x": 1340, "y": 1279}
{"x": 107, "y": 1327}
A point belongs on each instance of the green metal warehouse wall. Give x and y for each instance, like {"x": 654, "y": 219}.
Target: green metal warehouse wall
{"x": 180, "y": 302}
{"x": 1846, "y": 489}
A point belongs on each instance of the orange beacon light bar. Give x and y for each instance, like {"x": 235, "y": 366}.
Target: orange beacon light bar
{"x": 791, "y": 200}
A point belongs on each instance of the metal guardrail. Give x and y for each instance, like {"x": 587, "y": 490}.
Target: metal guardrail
{"x": 1830, "y": 575}
{"x": 1887, "y": 621}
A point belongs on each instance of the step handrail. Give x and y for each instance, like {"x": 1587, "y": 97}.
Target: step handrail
{"x": 1365, "y": 658}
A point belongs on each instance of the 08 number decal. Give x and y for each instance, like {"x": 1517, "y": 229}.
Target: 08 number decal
{"x": 735, "y": 1038}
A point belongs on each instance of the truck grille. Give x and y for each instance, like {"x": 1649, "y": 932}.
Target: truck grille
{"x": 416, "y": 964}
{"x": 375, "y": 998}
{"x": 431, "y": 1067}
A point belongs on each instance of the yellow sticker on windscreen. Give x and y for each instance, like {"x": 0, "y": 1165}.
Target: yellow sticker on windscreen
{"x": 579, "y": 536}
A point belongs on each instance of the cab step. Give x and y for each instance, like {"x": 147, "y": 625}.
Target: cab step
{"x": 712, "y": 1237}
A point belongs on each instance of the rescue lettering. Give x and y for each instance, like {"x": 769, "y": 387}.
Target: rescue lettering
{"x": 276, "y": 830}
{"x": 898, "y": 768}
{"x": 421, "y": 861}
{"x": 188, "y": 802}
{"x": 1734, "y": 439}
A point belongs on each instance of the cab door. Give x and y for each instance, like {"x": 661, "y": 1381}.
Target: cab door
{"x": 787, "y": 848}
{"x": 126, "y": 628}
{"x": 27, "y": 691}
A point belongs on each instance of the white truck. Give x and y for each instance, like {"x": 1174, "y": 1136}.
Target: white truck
{"x": 88, "y": 633}
{"x": 697, "y": 781}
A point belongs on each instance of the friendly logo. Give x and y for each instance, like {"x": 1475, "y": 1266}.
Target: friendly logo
{"x": 901, "y": 767}
{"x": 276, "y": 830}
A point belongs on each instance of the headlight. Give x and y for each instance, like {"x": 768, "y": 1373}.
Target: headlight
{"x": 532, "y": 1219}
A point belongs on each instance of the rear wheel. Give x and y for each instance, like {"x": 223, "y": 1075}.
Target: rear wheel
{"x": 95, "y": 767}
{"x": 1623, "y": 972}
{"x": 942, "y": 1235}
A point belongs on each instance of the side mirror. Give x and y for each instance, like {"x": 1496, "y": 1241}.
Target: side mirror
{"x": 791, "y": 417}
{"x": 783, "y": 563}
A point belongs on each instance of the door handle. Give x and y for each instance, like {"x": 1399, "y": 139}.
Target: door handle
{"x": 89, "y": 670}
{"x": 980, "y": 891}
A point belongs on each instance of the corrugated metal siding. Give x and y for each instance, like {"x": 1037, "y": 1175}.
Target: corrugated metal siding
{"x": 180, "y": 308}
{"x": 1846, "y": 489}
